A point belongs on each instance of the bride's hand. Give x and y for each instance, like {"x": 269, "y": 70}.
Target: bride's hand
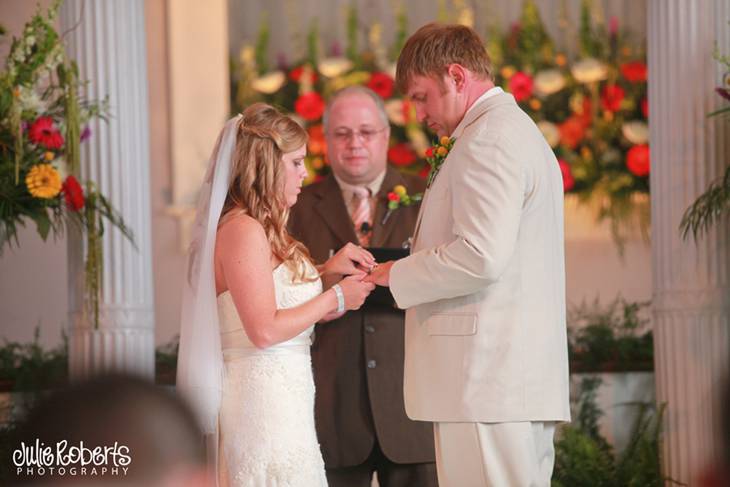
{"x": 350, "y": 259}
{"x": 355, "y": 290}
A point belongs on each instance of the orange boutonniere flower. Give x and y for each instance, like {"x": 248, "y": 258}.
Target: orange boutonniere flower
{"x": 436, "y": 155}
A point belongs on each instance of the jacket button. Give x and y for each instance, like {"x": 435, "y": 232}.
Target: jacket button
{"x": 371, "y": 364}
{"x": 370, "y": 328}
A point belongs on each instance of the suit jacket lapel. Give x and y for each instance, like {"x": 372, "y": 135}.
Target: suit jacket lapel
{"x": 331, "y": 207}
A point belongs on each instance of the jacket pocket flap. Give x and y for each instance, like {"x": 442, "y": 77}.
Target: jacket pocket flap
{"x": 452, "y": 324}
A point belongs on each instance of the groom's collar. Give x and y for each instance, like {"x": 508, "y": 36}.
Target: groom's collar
{"x": 491, "y": 98}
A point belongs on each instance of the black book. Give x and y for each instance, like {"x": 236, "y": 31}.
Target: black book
{"x": 381, "y": 296}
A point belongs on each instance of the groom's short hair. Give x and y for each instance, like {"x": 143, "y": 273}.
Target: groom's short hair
{"x": 434, "y": 46}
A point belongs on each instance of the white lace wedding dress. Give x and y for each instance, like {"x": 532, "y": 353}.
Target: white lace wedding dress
{"x": 266, "y": 423}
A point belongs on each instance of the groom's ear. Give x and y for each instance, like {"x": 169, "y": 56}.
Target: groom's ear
{"x": 456, "y": 75}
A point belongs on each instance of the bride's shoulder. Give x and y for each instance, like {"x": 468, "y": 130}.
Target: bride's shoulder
{"x": 240, "y": 228}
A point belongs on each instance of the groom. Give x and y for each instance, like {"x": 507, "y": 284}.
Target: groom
{"x": 485, "y": 347}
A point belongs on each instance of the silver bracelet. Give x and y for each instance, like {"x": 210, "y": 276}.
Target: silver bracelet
{"x": 340, "y": 298}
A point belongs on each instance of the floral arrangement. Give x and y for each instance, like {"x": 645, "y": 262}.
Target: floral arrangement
{"x": 592, "y": 110}
{"x": 41, "y": 115}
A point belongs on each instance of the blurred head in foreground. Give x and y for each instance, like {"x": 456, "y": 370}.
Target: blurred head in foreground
{"x": 113, "y": 430}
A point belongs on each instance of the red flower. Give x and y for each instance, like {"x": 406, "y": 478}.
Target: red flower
{"x": 568, "y": 180}
{"x": 310, "y": 106}
{"x": 634, "y": 72}
{"x": 520, "y": 84}
{"x": 43, "y": 132}
{"x": 429, "y": 152}
{"x": 611, "y": 97}
{"x": 393, "y": 196}
{"x": 296, "y": 74}
{"x": 382, "y": 84}
{"x": 572, "y": 131}
{"x": 401, "y": 154}
{"x": 424, "y": 171}
{"x": 645, "y": 107}
{"x": 637, "y": 160}
{"x": 73, "y": 194}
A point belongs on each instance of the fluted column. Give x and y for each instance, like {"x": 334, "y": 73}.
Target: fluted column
{"x": 107, "y": 39}
{"x": 691, "y": 286}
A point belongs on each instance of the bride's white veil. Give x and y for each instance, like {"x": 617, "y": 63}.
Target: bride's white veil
{"x": 200, "y": 359}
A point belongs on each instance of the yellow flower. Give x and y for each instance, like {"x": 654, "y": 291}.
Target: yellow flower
{"x": 586, "y": 153}
{"x": 507, "y": 72}
{"x": 43, "y": 181}
{"x": 16, "y": 92}
{"x": 561, "y": 60}
{"x": 49, "y": 156}
{"x": 400, "y": 190}
{"x": 444, "y": 140}
{"x": 535, "y": 104}
{"x": 442, "y": 151}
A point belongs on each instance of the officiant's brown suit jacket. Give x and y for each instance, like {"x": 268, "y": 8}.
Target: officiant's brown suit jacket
{"x": 358, "y": 359}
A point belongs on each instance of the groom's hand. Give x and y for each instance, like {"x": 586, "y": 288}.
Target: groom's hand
{"x": 380, "y": 274}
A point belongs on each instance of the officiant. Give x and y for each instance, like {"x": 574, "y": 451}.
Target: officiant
{"x": 358, "y": 359}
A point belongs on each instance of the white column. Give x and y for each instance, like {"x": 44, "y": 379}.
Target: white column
{"x": 107, "y": 39}
{"x": 691, "y": 289}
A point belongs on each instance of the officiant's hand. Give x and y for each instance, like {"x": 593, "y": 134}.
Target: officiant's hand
{"x": 381, "y": 274}
{"x": 350, "y": 259}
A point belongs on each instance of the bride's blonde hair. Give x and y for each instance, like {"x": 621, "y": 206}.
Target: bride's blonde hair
{"x": 258, "y": 178}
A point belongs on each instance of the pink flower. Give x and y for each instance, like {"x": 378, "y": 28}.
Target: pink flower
{"x": 520, "y": 84}
{"x": 382, "y": 84}
{"x": 73, "y": 194}
{"x": 611, "y": 97}
{"x": 401, "y": 155}
{"x": 43, "y": 132}
{"x": 310, "y": 106}
{"x": 637, "y": 160}
{"x": 634, "y": 71}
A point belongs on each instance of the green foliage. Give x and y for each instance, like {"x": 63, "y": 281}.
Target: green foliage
{"x": 352, "y": 51}
{"x": 612, "y": 337}
{"x": 590, "y": 37}
{"x": 584, "y": 458}
{"x": 31, "y": 368}
{"x": 313, "y": 44}
{"x": 401, "y": 33}
{"x": 262, "y": 45}
{"x": 709, "y": 208}
{"x": 533, "y": 43}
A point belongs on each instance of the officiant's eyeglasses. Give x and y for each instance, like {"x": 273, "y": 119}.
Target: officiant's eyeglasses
{"x": 343, "y": 136}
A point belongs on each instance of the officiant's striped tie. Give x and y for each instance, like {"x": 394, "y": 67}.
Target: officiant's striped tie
{"x": 361, "y": 214}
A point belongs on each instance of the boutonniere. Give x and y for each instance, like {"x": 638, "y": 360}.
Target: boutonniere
{"x": 400, "y": 197}
{"x": 436, "y": 155}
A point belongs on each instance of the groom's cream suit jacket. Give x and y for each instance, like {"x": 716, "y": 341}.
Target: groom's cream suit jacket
{"x": 484, "y": 286}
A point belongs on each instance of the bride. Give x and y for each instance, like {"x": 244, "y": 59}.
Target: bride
{"x": 250, "y": 303}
